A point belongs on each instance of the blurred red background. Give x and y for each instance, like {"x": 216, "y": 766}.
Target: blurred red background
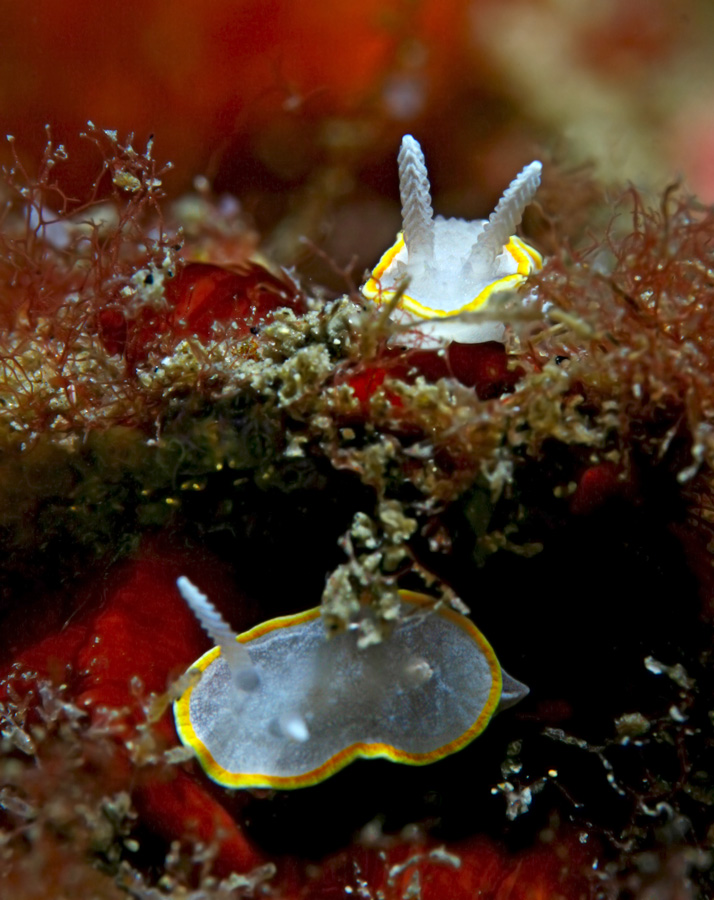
{"x": 297, "y": 108}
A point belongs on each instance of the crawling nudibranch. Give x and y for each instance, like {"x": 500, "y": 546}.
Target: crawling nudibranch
{"x": 452, "y": 266}
{"x": 284, "y": 706}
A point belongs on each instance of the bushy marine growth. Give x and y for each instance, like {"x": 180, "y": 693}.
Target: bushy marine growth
{"x": 616, "y": 371}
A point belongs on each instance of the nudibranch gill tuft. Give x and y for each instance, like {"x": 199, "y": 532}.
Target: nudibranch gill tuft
{"x": 452, "y": 266}
{"x": 291, "y": 707}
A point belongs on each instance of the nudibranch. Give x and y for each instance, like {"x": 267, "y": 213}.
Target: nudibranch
{"x": 285, "y": 706}
{"x": 450, "y": 266}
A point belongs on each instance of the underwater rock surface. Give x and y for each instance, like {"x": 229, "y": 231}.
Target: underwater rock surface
{"x": 164, "y": 415}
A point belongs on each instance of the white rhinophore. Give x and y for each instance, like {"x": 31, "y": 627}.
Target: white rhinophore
{"x": 415, "y": 193}
{"x": 503, "y": 221}
{"x": 245, "y": 675}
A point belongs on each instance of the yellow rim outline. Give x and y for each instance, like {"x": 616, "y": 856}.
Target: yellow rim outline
{"x": 182, "y": 712}
{"x": 527, "y": 260}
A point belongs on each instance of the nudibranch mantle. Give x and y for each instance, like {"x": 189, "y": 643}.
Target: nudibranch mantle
{"x": 452, "y": 266}
{"x": 321, "y": 703}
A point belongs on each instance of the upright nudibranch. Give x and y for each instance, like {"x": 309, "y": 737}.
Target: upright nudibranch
{"x": 451, "y": 266}
{"x": 284, "y": 706}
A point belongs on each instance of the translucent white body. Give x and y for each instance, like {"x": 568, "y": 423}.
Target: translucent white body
{"x": 425, "y": 692}
{"x": 448, "y": 267}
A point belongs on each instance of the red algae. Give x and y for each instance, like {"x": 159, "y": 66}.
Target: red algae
{"x": 117, "y": 663}
{"x": 468, "y": 869}
{"x": 198, "y": 300}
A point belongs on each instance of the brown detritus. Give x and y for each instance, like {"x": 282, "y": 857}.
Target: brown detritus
{"x": 379, "y": 557}
{"x": 65, "y": 817}
{"x": 67, "y": 821}
{"x": 613, "y": 347}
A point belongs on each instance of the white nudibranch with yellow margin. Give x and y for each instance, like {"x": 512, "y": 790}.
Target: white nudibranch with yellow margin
{"x": 447, "y": 267}
{"x": 286, "y": 706}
